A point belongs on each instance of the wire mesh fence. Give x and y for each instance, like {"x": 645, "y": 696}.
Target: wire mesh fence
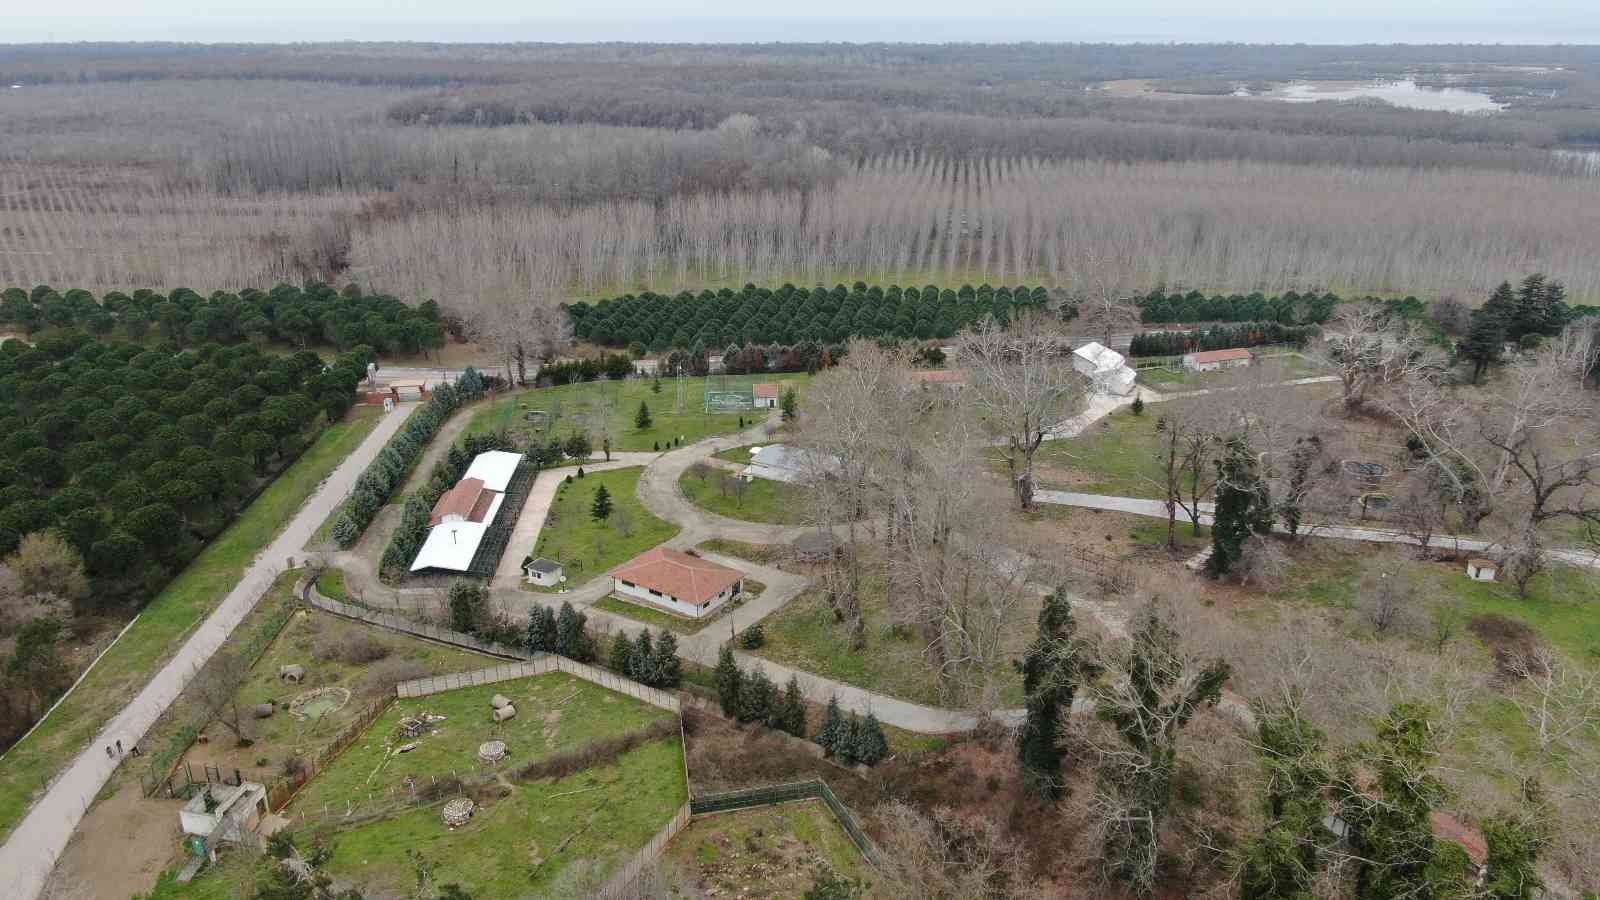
{"x": 787, "y": 793}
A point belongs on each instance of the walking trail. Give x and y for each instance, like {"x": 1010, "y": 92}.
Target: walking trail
{"x": 28, "y": 856}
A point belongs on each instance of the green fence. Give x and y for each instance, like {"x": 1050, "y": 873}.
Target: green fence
{"x": 787, "y": 793}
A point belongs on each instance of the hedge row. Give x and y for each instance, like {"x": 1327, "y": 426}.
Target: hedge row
{"x": 413, "y": 529}
{"x": 1221, "y": 337}
{"x": 1285, "y": 309}
{"x": 380, "y": 480}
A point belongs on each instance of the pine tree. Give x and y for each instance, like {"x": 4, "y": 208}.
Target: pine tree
{"x": 729, "y": 681}
{"x": 832, "y": 728}
{"x": 1489, "y": 329}
{"x": 643, "y": 660}
{"x": 1243, "y": 506}
{"x": 541, "y": 633}
{"x": 600, "y": 510}
{"x": 641, "y": 419}
{"x": 844, "y": 749}
{"x": 789, "y": 403}
{"x": 871, "y": 745}
{"x": 1283, "y": 861}
{"x": 1138, "y": 406}
{"x": 756, "y": 696}
{"x": 1051, "y": 672}
{"x": 668, "y": 667}
{"x": 793, "y": 718}
{"x": 622, "y": 655}
{"x": 655, "y": 385}
{"x": 568, "y": 631}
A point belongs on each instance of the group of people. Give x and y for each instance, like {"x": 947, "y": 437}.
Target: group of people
{"x": 132, "y": 750}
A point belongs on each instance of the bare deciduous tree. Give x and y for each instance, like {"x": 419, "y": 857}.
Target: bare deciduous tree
{"x": 1367, "y": 350}
{"x": 1386, "y": 595}
{"x": 944, "y": 855}
{"x": 216, "y": 690}
{"x": 1023, "y": 383}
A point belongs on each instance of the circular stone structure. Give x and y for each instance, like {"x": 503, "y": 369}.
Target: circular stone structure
{"x": 492, "y": 751}
{"x": 317, "y": 703}
{"x": 457, "y": 812}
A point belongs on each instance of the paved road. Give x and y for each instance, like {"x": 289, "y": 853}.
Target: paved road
{"x": 1157, "y": 509}
{"x": 537, "y": 506}
{"x": 31, "y": 852}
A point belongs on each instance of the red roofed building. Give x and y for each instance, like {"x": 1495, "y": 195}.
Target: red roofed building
{"x": 677, "y": 582}
{"x": 766, "y": 395}
{"x": 466, "y": 502}
{"x": 1211, "y": 360}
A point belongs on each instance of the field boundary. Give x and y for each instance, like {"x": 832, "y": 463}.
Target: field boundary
{"x": 772, "y": 794}
{"x": 539, "y": 665}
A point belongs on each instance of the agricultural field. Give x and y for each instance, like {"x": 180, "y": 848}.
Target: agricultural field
{"x": 768, "y": 851}
{"x": 587, "y": 547}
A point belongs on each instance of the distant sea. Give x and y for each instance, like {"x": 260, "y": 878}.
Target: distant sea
{"x": 209, "y": 26}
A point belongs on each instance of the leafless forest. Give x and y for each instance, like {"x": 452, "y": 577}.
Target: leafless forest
{"x": 472, "y": 173}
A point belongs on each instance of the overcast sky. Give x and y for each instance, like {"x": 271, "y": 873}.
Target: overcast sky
{"x": 1381, "y": 21}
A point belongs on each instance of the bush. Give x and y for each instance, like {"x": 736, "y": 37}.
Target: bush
{"x": 753, "y": 638}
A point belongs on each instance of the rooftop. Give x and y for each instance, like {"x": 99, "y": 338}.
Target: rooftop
{"x": 494, "y": 468}
{"x": 545, "y": 566}
{"x": 462, "y": 500}
{"x": 1099, "y": 354}
{"x": 689, "y": 578}
{"x": 1206, "y": 356}
{"x": 766, "y": 390}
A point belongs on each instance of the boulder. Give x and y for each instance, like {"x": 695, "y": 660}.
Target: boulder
{"x": 504, "y": 712}
{"x": 499, "y": 700}
{"x": 295, "y": 673}
{"x": 263, "y": 710}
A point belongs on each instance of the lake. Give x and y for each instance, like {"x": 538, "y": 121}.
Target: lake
{"x": 1405, "y": 93}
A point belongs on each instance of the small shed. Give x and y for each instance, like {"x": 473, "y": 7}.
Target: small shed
{"x": 543, "y": 572}
{"x": 1480, "y": 569}
{"x": 765, "y": 394}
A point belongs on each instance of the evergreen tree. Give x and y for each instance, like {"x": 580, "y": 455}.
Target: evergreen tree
{"x": 655, "y": 385}
{"x": 668, "y": 668}
{"x": 844, "y": 749}
{"x": 622, "y": 655}
{"x": 1488, "y": 332}
{"x": 729, "y": 682}
{"x": 541, "y": 634}
{"x": 641, "y": 419}
{"x": 756, "y": 696}
{"x": 1138, "y": 406}
{"x": 792, "y": 719}
{"x": 1243, "y": 506}
{"x": 1282, "y": 862}
{"x": 600, "y": 510}
{"x": 467, "y": 602}
{"x": 870, "y": 744}
{"x": 832, "y": 728}
{"x": 643, "y": 660}
{"x": 789, "y": 403}
{"x": 1051, "y": 672}
{"x": 1514, "y": 844}
{"x": 569, "y": 631}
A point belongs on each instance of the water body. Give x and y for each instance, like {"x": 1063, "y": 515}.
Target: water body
{"x": 1405, "y": 93}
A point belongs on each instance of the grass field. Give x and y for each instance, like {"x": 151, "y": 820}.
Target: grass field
{"x": 804, "y": 635}
{"x": 163, "y": 624}
{"x": 766, "y": 554}
{"x": 331, "y": 585}
{"x": 763, "y": 500}
{"x": 1285, "y": 366}
{"x": 769, "y": 851}
{"x": 554, "y": 712}
{"x": 1113, "y": 456}
{"x": 530, "y": 842}
{"x": 588, "y": 548}
{"x": 644, "y": 615}
{"x": 609, "y": 408}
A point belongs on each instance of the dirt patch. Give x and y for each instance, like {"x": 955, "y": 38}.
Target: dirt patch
{"x": 1513, "y": 645}
{"x": 120, "y": 847}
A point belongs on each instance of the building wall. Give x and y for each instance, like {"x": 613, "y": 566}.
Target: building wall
{"x": 640, "y": 594}
{"x": 766, "y": 403}
{"x": 543, "y": 579}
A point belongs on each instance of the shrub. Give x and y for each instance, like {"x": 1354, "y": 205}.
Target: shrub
{"x": 753, "y": 638}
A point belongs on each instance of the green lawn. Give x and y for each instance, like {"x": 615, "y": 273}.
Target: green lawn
{"x": 804, "y": 635}
{"x": 331, "y": 585}
{"x": 739, "y": 455}
{"x": 1114, "y": 456}
{"x": 766, "y": 554}
{"x": 768, "y": 851}
{"x": 609, "y": 408}
{"x": 586, "y": 547}
{"x": 1285, "y": 366}
{"x": 166, "y": 621}
{"x": 364, "y": 418}
{"x": 762, "y": 500}
{"x": 554, "y": 712}
{"x": 526, "y": 843}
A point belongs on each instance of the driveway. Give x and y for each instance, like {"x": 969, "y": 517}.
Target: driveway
{"x": 28, "y": 856}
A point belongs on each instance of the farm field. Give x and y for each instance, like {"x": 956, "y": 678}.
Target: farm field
{"x": 586, "y": 547}
{"x": 768, "y": 851}
{"x": 31, "y": 763}
{"x": 608, "y": 409}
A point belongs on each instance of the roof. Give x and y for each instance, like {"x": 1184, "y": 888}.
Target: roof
{"x": 940, "y": 376}
{"x": 691, "y": 579}
{"x": 777, "y": 462}
{"x": 1099, "y": 354}
{"x": 451, "y": 546}
{"x": 461, "y": 500}
{"x": 766, "y": 390}
{"x": 1206, "y": 356}
{"x": 1478, "y": 562}
{"x": 546, "y": 566}
{"x": 494, "y": 468}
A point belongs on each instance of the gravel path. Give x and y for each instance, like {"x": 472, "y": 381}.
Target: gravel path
{"x": 28, "y": 856}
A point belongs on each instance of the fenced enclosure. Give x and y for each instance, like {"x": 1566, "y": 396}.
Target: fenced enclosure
{"x": 283, "y": 788}
{"x": 618, "y": 884}
{"x": 730, "y": 393}
{"x": 539, "y": 665}
{"x": 1114, "y": 573}
{"x": 816, "y": 789}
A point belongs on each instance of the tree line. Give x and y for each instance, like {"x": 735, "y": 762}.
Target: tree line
{"x": 315, "y": 315}
{"x": 1289, "y": 308}
{"x": 791, "y": 315}
{"x": 1219, "y": 337}
{"x": 413, "y": 528}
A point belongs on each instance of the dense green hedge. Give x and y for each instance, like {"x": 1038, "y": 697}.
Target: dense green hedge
{"x": 791, "y": 315}
{"x": 1220, "y": 337}
{"x": 388, "y": 471}
{"x": 1290, "y": 308}
{"x": 310, "y": 316}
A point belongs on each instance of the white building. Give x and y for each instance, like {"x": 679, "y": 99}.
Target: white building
{"x": 1212, "y": 360}
{"x": 1107, "y": 371}
{"x": 766, "y": 395}
{"x": 239, "y": 809}
{"x": 464, "y": 513}
{"x": 678, "y": 582}
{"x": 543, "y": 572}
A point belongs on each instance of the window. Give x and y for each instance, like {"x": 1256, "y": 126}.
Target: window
{"x": 628, "y": 584}
{"x": 654, "y": 592}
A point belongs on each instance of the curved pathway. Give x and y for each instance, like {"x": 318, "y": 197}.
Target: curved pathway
{"x": 31, "y": 851}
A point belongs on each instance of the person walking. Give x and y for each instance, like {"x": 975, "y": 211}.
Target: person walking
{"x": 109, "y": 754}
{"x": 119, "y": 746}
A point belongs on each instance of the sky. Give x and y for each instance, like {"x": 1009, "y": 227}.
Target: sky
{"x": 1350, "y": 21}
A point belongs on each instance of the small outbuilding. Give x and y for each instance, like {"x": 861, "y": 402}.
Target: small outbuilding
{"x": 235, "y": 809}
{"x": 765, "y": 394}
{"x": 543, "y": 572}
{"x": 1105, "y": 368}
{"x": 1480, "y": 569}
{"x": 1212, "y": 360}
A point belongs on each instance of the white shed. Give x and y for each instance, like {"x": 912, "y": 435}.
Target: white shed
{"x": 1480, "y": 569}
{"x": 1105, "y": 368}
{"x": 543, "y": 572}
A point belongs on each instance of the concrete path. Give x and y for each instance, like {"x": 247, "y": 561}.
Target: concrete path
{"x": 31, "y": 852}
{"x": 534, "y": 510}
{"x": 1157, "y": 509}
